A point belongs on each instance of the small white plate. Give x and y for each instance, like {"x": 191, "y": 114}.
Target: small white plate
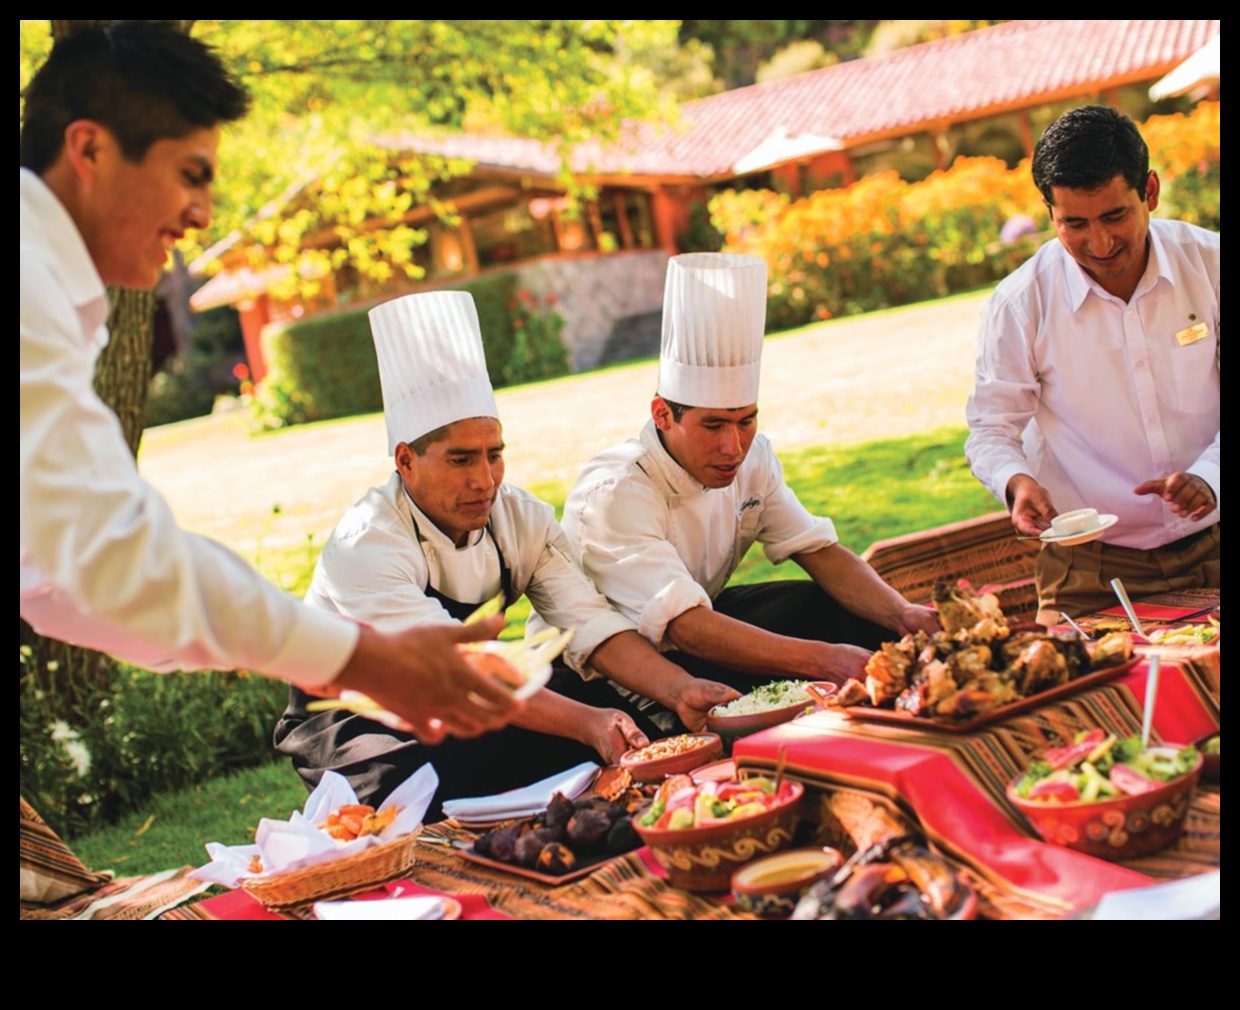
{"x": 1105, "y": 522}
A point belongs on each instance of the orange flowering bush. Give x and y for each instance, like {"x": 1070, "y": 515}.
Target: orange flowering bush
{"x": 883, "y": 241}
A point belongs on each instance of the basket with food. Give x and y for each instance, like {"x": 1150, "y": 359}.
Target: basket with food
{"x": 979, "y": 668}
{"x": 331, "y": 848}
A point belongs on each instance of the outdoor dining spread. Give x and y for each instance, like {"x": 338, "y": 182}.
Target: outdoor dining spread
{"x": 909, "y": 817}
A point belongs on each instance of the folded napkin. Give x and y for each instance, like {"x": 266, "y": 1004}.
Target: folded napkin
{"x": 383, "y": 908}
{"x": 524, "y": 802}
{"x": 1199, "y": 897}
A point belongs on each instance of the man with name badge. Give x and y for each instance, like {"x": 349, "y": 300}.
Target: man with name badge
{"x": 1097, "y": 381}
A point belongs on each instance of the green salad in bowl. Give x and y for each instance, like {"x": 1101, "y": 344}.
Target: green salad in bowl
{"x": 1096, "y": 766}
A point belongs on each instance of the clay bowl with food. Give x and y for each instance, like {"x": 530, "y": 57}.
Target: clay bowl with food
{"x": 703, "y": 857}
{"x": 675, "y": 755}
{"x": 1118, "y": 827}
{"x": 768, "y": 706}
{"x": 771, "y": 886}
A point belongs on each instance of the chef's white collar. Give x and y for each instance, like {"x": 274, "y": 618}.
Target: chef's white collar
{"x": 677, "y": 477}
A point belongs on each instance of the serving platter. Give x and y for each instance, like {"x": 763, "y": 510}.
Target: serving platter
{"x": 898, "y": 718}
{"x": 466, "y": 851}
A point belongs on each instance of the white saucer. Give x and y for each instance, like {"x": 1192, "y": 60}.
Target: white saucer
{"x": 1105, "y": 522}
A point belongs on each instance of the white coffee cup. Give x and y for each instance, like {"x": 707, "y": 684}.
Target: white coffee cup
{"x": 1077, "y": 521}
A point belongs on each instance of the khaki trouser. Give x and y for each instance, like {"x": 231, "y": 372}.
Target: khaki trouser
{"x": 1077, "y": 580}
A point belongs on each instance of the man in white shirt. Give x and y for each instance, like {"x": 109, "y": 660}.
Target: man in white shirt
{"x": 661, "y": 522}
{"x": 118, "y": 152}
{"x": 1098, "y": 377}
{"x": 444, "y": 535}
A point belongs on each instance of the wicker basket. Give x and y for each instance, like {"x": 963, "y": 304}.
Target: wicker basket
{"x": 338, "y": 878}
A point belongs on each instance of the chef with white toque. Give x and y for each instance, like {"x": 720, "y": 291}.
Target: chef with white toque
{"x": 661, "y": 522}
{"x": 443, "y": 535}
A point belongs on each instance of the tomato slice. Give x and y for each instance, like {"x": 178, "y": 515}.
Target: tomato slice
{"x": 1052, "y": 791}
{"x": 1132, "y": 782}
{"x": 1066, "y": 757}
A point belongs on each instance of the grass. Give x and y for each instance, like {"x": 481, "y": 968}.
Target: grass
{"x": 871, "y": 490}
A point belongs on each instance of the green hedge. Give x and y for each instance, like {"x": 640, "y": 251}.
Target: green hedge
{"x": 325, "y": 367}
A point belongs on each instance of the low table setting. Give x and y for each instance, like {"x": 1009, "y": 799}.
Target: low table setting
{"x": 884, "y": 796}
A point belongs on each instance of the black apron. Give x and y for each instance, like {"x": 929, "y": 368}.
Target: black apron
{"x": 376, "y": 759}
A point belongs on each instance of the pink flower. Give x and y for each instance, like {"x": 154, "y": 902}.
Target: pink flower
{"x": 552, "y": 298}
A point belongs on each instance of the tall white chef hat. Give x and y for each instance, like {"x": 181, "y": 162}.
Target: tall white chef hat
{"x": 431, "y": 365}
{"x": 714, "y": 320}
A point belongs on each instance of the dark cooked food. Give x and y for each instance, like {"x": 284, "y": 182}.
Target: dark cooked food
{"x": 556, "y": 858}
{"x": 898, "y": 878}
{"x": 559, "y": 810}
{"x": 557, "y": 841}
{"x": 623, "y": 837}
{"x": 531, "y": 844}
{"x": 977, "y": 663}
{"x": 588, "y": 828}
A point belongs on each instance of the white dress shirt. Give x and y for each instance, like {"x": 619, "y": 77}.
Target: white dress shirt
{"x": 1091, "y": 395}
{"x": 103, "y": 564}
{"x": 658, "y": 543}
{"x": 374, "y": 568}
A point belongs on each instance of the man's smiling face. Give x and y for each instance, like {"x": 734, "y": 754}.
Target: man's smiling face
{"x": 1106, "y": 230}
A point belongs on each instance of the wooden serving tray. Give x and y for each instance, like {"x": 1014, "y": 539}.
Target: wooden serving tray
{"x": 466, "y": 851}
{"x": 899, "y": 718}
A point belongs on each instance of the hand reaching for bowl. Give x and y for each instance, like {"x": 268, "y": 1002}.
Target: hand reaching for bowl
{"x": 1187, "y": 494}
{"x": 612, "y": 733}
{"x": 696, "y": 698}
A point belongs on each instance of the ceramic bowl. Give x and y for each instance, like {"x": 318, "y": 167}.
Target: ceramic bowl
{"x": 772, "y": 886}
{"x": 1123, "y": 827}
{"x": 643, "y": 769}
{"x": 704, "y": 859}
{"x": 732, "y": 727}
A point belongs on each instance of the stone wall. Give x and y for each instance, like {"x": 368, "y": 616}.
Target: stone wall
{"x": 611, "y": 302}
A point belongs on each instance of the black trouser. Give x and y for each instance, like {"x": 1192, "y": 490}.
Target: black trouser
{"x": 795, "y": 609}
{"x": 376, "y": 759}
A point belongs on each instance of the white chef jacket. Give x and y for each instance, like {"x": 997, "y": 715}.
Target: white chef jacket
{"x": 1091, "y": 395}
{"x": 376, "y": 566}
{"x": 103, "y": 563}
{"x": 658, "y": 543}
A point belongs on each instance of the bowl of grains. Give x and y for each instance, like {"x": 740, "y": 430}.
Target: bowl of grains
{"x": 674, "y": 755}
{"x": 767, "y": 705}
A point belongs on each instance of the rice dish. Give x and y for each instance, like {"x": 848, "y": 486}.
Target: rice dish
{"x": 777, "y": 694}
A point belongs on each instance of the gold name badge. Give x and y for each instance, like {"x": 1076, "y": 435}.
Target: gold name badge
{"x": 1192, "y": 334}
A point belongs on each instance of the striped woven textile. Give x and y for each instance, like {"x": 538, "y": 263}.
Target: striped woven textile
{"x": 628, "y": 887}
{"x": 984, "y": 551}
{"x": 951, "y": 788}
{"x": 56, "y": 885}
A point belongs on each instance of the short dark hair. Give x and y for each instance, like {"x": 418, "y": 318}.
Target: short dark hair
{"x": 678, "y": 409}
{"x": 1086, "y": 148}
{"x": 420, "y": 445}
{"x": 142, "y": 80}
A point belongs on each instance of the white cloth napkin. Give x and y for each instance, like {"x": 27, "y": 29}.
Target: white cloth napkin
{"x": 381, "y": 908}
{"x": 299, "y": 841}
{"x": 524, "y": 802}
{"x": 1199, "y": 897}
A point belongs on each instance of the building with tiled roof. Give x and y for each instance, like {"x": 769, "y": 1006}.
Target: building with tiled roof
{"x": 987, "y": 92}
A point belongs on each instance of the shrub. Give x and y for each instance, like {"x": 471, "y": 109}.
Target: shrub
{"x": 92, "y": 754}
{"x": 188, "y": 385}
{"x": 537, "y": 350}
{"x": 883, "y": 241}
{"x": 325, "y": 366}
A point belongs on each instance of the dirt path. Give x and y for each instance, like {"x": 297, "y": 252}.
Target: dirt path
{"x": 869, "y": 377}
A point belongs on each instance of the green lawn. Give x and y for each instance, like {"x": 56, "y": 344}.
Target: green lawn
{"x": 872, "y": 491}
